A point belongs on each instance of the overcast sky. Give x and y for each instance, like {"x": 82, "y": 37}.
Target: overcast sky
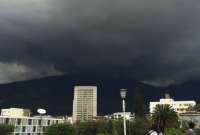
{"x": 155, "y": 41}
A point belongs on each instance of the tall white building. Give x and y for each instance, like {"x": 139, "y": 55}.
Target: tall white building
{"x": 84, "y": 103}
{"x": 178, "y": 106}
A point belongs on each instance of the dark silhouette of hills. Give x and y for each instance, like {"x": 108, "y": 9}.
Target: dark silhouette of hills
{"x": 56, "y": 93}
{"x": 186, "y": 91}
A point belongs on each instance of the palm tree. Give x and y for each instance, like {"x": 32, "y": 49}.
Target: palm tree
{"x": 164, "y": 115}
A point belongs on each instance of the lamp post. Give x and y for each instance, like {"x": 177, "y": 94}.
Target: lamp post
{"x": 123, "y": 96}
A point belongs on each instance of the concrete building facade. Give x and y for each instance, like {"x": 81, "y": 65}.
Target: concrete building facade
{"x": 190, "y": 117}
{"x": 120, "y": 115}
{"x": 30, "y": 125}
{"x": 16, "y": 112}
{"x": 84, "y": 103}
{"x": 178, "y": 106}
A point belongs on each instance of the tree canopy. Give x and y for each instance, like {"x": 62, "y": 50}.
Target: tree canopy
{"x": 138, "y": 103}
{"x": 165, "y": 116}
{"x": 6, "y": 129}
{"x": 60, "y": 129}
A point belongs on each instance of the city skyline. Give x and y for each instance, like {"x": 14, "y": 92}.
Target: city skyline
{"x": 50, "y": 92}
{"x": 99, "y": 67}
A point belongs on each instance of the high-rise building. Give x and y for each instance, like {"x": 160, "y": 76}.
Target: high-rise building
{"x": 84, "y": 103}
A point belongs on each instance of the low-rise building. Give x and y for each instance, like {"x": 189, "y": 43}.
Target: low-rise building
{"x": 178, "y": 106}
{"x": 190, "y": 117}
{"x": 69, "y": 119}
{"x": 30, "y": 125}
{"x": 16, "y": 112}
{"x": 24, "y": 124}
{"x": 120, "y": 115}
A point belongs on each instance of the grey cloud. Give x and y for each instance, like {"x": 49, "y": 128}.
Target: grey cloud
{"x": 11, "y": 72}
{"x": 150, "y": 40}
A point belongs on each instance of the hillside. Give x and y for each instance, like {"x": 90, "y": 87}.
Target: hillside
{"x": 56, "y": 93}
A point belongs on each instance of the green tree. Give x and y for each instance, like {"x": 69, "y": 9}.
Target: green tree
{"x": 60, "y": 129}
{"x": 138, "y": 104}
{"x": 196, "y": 108}
{"x": 85, "y": 128}
{"x": 104, "y": 127}
{"x": 197, "y": 131}
{"x": 139, "y": 126}
{"x": 118, "y": 127}
{"x": 174, "y": 131}
{"x": 6, "y": 129}
{"x": 165, "y": 116}
{"x": 102, "y": 134}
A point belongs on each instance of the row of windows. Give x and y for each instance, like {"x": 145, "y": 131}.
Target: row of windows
{"x": 84, "y": 115}
{"x": 27, "y": 134}
{"x": 85, "y": 98}
{"x": 23, "y": 121}
{"x": 184, "y": 104}
{"x": 181, "y": 109}
{"x": 25, "y": 126}
{"x": 28, "y": 129}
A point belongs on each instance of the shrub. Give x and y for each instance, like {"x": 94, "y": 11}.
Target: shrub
{"x": 60, "y": 129}
{"x": 174, "y": 131}
{"x": 6, "y": 129}
{"x": 85, "y": 128}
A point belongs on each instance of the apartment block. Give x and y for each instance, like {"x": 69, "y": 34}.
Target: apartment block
{"x": 84, "y": 103}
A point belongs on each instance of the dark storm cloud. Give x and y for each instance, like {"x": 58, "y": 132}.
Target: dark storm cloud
{"x": 153, "y": 41}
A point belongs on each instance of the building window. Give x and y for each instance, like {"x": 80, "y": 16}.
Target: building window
{"x": 182, "y": 109}
{"x": 44, "y": 129}
{"x": 24, "y": 129}
{"x": 29, "y": 122}
{"x": 7, "y": 121}
{"x": 19, "y": 121}
{"x": 34, "y": 129}
{"x": 48, "y": 123}
{"x": 39, "y": 122}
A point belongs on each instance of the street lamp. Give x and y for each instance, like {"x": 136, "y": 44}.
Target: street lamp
{"x": 123, "y": 96}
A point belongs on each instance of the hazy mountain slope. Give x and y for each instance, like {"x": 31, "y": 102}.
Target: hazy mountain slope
{"x": 56, "y": 93}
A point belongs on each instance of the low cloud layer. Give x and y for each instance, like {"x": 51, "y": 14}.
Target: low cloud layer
{"x": 11, "y": 72}
{"x": 150, "y": 40}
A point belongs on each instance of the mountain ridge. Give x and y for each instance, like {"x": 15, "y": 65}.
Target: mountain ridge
{"x": 55, "y": 93}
